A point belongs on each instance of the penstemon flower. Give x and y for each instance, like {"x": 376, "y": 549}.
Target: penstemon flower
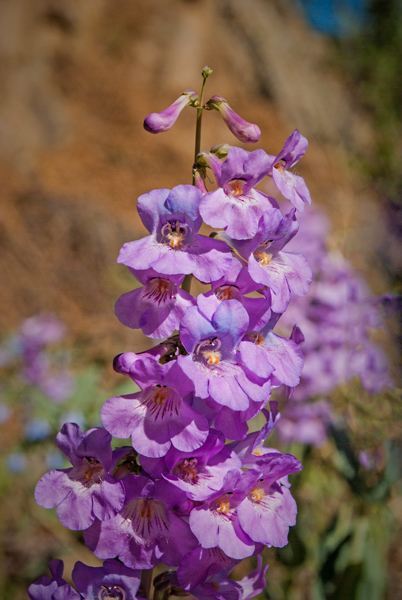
{"x": 181, "y": 495}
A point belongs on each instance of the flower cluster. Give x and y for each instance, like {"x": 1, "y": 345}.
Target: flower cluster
{"x": 180, "y": 494}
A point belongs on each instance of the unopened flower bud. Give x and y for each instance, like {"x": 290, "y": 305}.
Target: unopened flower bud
{"x": 243, "y": 130}
{"x": 221, "y": 150}
{"x": 206, "y": 72}
{"x": 199, "y": 180}
{"x": 162, "y": 121}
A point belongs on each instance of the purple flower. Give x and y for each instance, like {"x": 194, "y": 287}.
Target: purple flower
{"x": 290, "y": 185}
{"x": 216, "y": 524}
{"x": 86, "y": 490}
{"x": 282, "y": 272}
{"x": 269, "y": 509}
{"x": 241, "y": 129}
{"x": 213, "y": 364}
{"x": 112, "y": 581}
{"x": 146, "y": 531}
{"x": 201, "y": 473}
{"x": 235, "y": 205}
{"x": 252, "y": 449}
{"x": 157, "y": 307}
{"x": 233, "y": 286}
{"x": 158, "y": 416}
{"x": 54, "y": 588}
{"x": 174, "y": 247}
{"x": 267, "y": 353}
{"x": 163, "y": 121}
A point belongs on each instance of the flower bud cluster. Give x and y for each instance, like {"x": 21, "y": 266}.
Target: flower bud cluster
{"x": 180, "y": 494}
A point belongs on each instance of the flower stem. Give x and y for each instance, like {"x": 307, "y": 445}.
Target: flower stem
{"x": 206, "y": 72}
{"x": 146, "y": 580}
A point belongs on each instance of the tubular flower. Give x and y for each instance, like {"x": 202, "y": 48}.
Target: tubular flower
{"x": 235, "y": 205}
{"x": 243, "y": 130}
{"x": 157, "y": 307}
{"x": 158, "y": 416}
{"x": 87, "y": 490}
{"x": 163, "y": 121}
{"x": 291, "y": 186}
{"x": 174, "y": 247}
{"x": 146, "y": 531}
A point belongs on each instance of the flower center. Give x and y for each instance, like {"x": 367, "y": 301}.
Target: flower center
{"x": 227, "y": 292}
{"x": 90, "y": 472}
{"x": 186, "y": 470}
{"x": 148, "y": 517}
{"x": 223, "y": 504}
{"x": 160, "y": 290}
{"x": 174, "y": 233}
{"x": 257, "y": 451}
{"x": 112, "y": 592}
{"x": 161, "y": 394}
{"x": 257, "y": 494}
{"x": 280, "y": 165}
{"x": 208, "y": 351}
{"x": 235, "y": 187}
{"x": 264, "y": 258}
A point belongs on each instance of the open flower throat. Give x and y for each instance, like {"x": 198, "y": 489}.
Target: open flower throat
{"x": 208, "y": 352}
{"x": 159, "y": 291}
{"x": 235, "y": 187}
{"x": 112, "y": 592}
{"x": 174, "y": 233}
{"x": 149, "y": 518}
{"x": 90, "y": 472}
{"x": 186, "y": 470}
{"x": 160, "y": 402}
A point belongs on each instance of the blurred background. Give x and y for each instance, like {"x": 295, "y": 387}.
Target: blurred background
{"x": 77, "y": 79}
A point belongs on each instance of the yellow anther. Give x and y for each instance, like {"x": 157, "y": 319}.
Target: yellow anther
{"x": 213, "y": 357}
{"x": 257, "y": 494}
{"x": 224, "y": 505}
{"x": 264, "y": 258}
{"x": 236, "y": 187}
{"x": 257, "y": 452}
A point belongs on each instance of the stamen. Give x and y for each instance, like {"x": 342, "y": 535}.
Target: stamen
{"x": 90, "y": 472}
{"x": 236, "y": 186}
{"x": 264, "y": 258}
{"x": 186, "y": 470}
{"x": 258, "y": 338}
{"x": 212, "y": 357}
{"x": 175, "y": 233}
{"x": 224, "y": 503}
{"x": 257, "y": 494}
{"x": 257, "y": 452}
{"x": 281, "y": 165}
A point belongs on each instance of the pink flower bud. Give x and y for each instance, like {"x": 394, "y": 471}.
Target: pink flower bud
{"x": 243, "y": 130}
{"x": 162, "y": 121}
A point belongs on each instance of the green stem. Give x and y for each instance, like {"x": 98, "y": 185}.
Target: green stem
{"x": 199, "y": 121}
